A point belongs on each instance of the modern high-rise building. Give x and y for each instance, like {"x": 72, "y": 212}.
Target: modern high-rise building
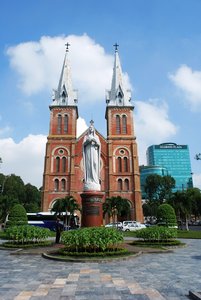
{"x": 119, "y": 167}
{"x": 176, "y": 159}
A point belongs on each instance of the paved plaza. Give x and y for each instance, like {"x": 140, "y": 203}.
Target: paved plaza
{"x": 148, "y": 276}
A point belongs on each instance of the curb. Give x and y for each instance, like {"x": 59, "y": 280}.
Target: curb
{"x": 86, "y": 260}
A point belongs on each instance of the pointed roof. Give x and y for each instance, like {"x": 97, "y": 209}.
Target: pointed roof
{"x": 65, "y": 95}
{"x": 118, "y": 95}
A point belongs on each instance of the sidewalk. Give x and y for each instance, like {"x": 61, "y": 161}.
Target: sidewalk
{"x": 156, "y": 276}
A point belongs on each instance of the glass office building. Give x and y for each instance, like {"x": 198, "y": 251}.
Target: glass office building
{"x": 176, "y": 159}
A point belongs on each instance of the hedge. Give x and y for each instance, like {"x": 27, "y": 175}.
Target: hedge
{"x": 166, "y": 215}
{"x": 17, "y": 216}
{"x": 27, "y": 233}
{"x": 157, "y": 234}
{"x": 93, "y": 239}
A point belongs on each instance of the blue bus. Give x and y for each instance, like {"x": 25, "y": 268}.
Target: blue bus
{"x": 48, "y": 220}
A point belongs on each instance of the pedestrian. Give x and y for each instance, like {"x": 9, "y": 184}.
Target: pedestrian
{"x": 58, "y": 231}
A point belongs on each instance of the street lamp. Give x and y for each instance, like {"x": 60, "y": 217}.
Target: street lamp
{"x": 198, "y": 156}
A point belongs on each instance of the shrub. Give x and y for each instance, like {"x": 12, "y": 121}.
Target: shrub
{"x": 27, "y": 233}
{"x": 93, "y": 239}
{"x": 17, "y": 216}
{"x": 156, "y": 234}
{"x": 166, "y": 215}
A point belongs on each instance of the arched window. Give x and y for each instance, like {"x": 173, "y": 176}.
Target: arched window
{"x": 56, "y": 185}
{"x": 66, "y": 124}
{"x": 125, "y": 164}
{"x": 63, "y": 164}
{"x": 118, "y": 125}
{"x": 124, "y": 124}
{"x": 119, "y": 184}
{"x": 63, "y": 185}
{"x": 57, "y": 164}
{"x": 126, "y": 185}
{"x": 119, "y": 165}
{"x": 59, "y": 123}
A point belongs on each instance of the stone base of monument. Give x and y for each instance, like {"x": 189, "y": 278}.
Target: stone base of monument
{"x": 92, "y": 211}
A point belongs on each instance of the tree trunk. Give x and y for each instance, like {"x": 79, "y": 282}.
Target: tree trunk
{"x": 186, "y": 221}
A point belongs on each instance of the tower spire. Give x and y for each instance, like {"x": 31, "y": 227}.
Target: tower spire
{"x": 118, "y": 95}
{"x": 65, "y": 95}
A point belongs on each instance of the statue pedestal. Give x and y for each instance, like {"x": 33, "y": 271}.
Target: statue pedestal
{"x": 92, "y": 212}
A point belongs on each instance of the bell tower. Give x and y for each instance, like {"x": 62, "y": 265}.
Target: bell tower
{"x": 59, "y": 173}
{"x": 123, "y": 166}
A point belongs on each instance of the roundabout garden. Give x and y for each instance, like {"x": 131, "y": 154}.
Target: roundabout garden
{"x": 90, "y": 244}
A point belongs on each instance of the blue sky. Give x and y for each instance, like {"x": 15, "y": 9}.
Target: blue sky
{"x": 160, "y": 52}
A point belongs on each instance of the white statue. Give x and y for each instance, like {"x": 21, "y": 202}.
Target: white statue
{"x": 91, "y": 159}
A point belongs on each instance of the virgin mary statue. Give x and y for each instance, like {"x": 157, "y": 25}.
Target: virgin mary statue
{"x": 91, "y": 160}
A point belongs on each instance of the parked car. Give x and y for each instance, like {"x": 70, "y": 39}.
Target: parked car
{"x": 114, "y": 225}
{"x": 125, "y": 223}
{"x": 132, "y": 226}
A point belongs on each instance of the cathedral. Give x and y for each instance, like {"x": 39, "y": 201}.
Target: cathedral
{"x": 119, "y": 167}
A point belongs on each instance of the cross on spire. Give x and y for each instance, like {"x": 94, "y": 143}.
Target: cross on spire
{"x": 92, "y": 123}
{"x": 67, "y": 46}
{"x": 116, "y": 47}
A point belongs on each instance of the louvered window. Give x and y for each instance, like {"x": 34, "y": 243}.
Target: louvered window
{"x": 57, "y": 164}
{"x": 118, "y": 125}
{"x": 119, "y": 183}
{"x": 59, "y": 124}
{"x": 124, "y": 124}
{"x": 56, "y": 185}
{"x": 66, "y": 124}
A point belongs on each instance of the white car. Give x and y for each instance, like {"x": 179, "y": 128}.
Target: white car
{"x": 133, "y": 226}
{"x": 114, "y": 225}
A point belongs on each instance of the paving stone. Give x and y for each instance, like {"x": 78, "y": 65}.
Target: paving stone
{"x": 164, "y": 276}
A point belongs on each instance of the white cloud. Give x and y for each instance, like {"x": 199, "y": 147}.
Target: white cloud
{"x": 38, "y": 65}
{"x": 26, "y": 158}
{"x": 189, "y": 82}
{"x": 81, "y": 126}
{"x": 152, "y": 125}
{"x": 197, "y": 180}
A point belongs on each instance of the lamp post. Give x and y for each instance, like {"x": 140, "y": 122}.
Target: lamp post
{"x": 198, "y": 156}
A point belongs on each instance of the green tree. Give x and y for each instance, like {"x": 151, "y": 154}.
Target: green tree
{"x": 150, "y": 210}
{"x": 159, "y": 187}
{"x": 17, "y": 216}
{"x": 32, "y": 198}
{"x": 194, "y": 195}
{"x": 167, "y": 185}
{"x": 166, "y": 215}
{"x": 13, "y": 191}
{"x": 6, "y": 203}
{"x": 152, "y": 185}
{"x": 116, "y": 207}
{"x": 14, "y": 188}
{"x": 182, "y": 205}
{"x": 68, "y": 205}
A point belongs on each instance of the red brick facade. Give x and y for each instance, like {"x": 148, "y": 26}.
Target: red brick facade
{"x": 63, "y": 170}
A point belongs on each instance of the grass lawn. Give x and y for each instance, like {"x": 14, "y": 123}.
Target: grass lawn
{"x": 191, "y": 234}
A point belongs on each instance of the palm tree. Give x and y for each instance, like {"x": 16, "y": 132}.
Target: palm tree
{"x": 68, "y": 205}
{"x": 116, "y": 207}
